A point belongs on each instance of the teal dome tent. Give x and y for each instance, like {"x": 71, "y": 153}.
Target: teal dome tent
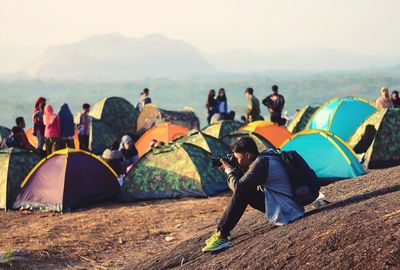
{"x": 328, "y": 155}
{"x": 341, "y": 116}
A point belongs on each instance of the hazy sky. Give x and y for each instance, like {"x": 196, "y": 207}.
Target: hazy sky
{"x": 364, "y": 26}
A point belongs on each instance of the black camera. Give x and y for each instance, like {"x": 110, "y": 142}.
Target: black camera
{"x": 230, "y": 159}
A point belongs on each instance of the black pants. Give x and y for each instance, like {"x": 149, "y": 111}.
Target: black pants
{"x": 236, "y": 207}
{"x": 275, "y": 117}
{"x": 83, "y": 142}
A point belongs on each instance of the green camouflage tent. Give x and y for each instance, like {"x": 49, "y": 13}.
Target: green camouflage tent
{"x": 150, "y": 115}
{"x": 180, "y": 170}
{"x": 15, "y": 164}
{"x": 101, "y": 136}
{"x": 261, "y": 142}
{"x": 376, "y": 141}
{"x": 300, "y": 118}
{"x": 4, "y": 133}
{"x": 212, "y": 145}
{"x": 222, "y": 128}
{"x": 117, "y": 113}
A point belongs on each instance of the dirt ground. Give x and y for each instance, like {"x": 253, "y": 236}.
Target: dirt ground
{"x": 359, "y": 230}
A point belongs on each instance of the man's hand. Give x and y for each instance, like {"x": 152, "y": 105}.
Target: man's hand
{"x": 225, "y": 165}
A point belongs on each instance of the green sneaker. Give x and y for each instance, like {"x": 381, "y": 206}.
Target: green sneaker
{"x": 214, "y": 234}
{"x": 215, "y": 243}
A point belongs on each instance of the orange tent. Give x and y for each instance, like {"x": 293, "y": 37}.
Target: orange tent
{"x": 164, "y": 132}
{"x": 274, "y": 133}
{"x": 33, "y": 140}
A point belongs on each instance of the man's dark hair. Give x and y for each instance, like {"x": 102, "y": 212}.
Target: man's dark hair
{"x": 275, "y": 88}
{"x": 231, "y": 115}
{"x": 115, "y": 145}
{"x": 249, "y": 90}
{"x": 395, "y": 92}
{"x": 146, "y": 91}
{"x": 245, "y": 144}
{"x": 19, "y": 120}
{"x": 86, "y": 106}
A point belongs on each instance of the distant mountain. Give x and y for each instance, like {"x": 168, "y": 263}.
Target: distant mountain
{"x": 306, "y": 59}
{"x": 115, "y": 57}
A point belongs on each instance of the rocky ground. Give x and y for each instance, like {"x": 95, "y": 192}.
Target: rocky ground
{"x": 360, "y": 229}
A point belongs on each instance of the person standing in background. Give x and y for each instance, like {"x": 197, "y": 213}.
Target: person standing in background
{"x": 211, "y": 105}
{"x": 38, "y": 125}
{"x": 84, "y": 128}
{"x": 52, "y": 130}
{"x": 67, "y": 127}
{"x": 275, "y": 103}
{"x": 222, "y": 101}
{"x": 253, "y": 106}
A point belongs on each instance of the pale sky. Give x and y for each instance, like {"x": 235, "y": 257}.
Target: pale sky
{"x": 370, "y": 27}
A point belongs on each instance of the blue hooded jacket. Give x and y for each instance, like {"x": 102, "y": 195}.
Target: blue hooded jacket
{"x": 67, "y": 127}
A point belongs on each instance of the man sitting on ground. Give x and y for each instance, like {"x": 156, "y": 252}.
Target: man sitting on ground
{"x": 219, "y": 117}
{"x": 14, "y": 139}
{"x": 264, "y": 186}
{"x": 20, "y": 122}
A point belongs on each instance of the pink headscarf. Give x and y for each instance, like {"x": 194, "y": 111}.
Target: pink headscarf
{"x": 49, "y": 115}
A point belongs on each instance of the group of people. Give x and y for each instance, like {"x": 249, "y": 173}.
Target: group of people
{"x": 121, "y": 156}
{"x": 217, "y": 107}
{"x": 385, "y": 101}
{"x": 55, "y": 131}
{"x": 274, "y": 103}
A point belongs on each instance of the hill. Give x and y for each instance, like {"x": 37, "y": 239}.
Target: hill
{"x": 299, "y": 59}
{"x": 115, "y": 57}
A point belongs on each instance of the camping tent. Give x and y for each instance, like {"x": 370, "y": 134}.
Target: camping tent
{"x": 261, "y": 142}
{"x": 164, "y": 132}
{"x": 341, "y": 116}
{"x": 180, "y": 170}
{"x": 101, "y": 136}
{"x": 118, "y": 113}
{"x": 328, "y": 155}
{"x": 15, "y": 164}
{"x": 212, "y": 145}
{"x": 150, "y": 115}
{"x": 218, "y": 130}
{"x": 4, "y": 133}
{"x": 66, "y": 180}
{"x": 377, "y": 140}
{"x": 301, "y": 118}
{"x": 270, "y": 131}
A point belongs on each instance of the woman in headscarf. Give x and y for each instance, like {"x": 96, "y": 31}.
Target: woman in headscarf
{"x": 67, "y": 127}
{"x": 384, "y": 101}
{"x": 222, "y": 101}
{"x": 52, "y": 130}
{"x": 38, "y": 125}
{"x": 129, "y": 152}
{"x": 211, "y": 105}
